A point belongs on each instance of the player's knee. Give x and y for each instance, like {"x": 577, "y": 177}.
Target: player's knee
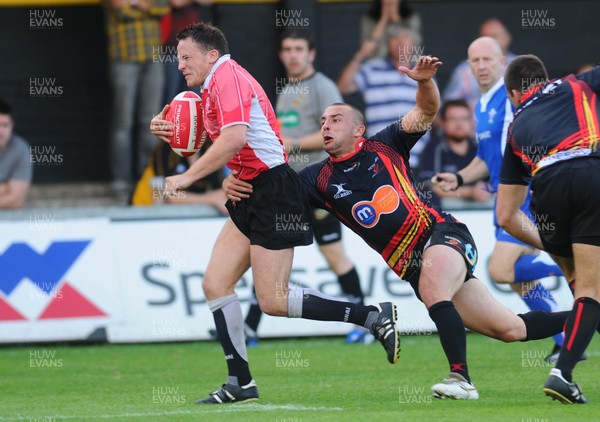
{"x": 512, "y": 335}
{"x": 211, "y": 290}
{"x": 272, "y": 307}
{"x": 499, "y": 274}
{"x": 430, "y": 294}
{"x": 509, "y": 333}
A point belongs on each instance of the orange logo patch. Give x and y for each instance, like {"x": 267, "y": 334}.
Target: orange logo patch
{"x": 385, "y": 201}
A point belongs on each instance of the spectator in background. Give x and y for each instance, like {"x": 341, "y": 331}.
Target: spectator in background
{"x": 163, "y": 163}
{"x": 451, "y": 151}
{"x": 136, "y": 81}
{"x": 15, "y": 164}
{"x": 183, "y": 13}
{"x": 462, "y": 83}
{"x": 387, "y": 92}
{"x": 300, "y": 105}
{"x": 382, "y": 14}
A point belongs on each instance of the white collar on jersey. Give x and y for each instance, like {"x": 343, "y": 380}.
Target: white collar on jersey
{"x": 218, "y": 63}
{"x": 486, "y": 98}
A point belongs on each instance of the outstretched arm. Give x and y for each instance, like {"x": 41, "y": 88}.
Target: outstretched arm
{"x": 476, "y": 170}
{"x": 423, "y": 114}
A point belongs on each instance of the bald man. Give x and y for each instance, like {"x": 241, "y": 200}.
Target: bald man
{"x": 462, "y": 84}
{"x": 512, "y": 261}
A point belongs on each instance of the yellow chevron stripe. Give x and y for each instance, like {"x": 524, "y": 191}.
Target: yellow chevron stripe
{"x": 591, "y": 123}
{"x": 406, "y": 187}
{"x": 422, "y": 215}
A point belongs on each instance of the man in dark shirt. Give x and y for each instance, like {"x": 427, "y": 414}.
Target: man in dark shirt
{"x": 369, "y": 186}
{"x": 553, "y": 142}
{"x": 450, "y": 152}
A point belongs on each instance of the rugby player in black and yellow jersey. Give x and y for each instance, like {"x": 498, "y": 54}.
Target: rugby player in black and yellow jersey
{"x": 553, "y": 143}
{"x": 368, "y": 184}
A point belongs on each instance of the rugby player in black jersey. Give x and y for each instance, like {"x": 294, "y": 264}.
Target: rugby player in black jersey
{"x": 368, "y": 184}
{"x": 553, "y": 142}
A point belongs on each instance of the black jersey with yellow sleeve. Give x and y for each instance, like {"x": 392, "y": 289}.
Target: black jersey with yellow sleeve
{"x": 373, "y": 192}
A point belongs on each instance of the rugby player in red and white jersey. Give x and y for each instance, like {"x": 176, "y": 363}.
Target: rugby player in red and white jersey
{"x": 431, "y": 250}
{"x": 262, "y": 231}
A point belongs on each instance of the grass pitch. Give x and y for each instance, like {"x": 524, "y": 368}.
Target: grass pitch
{"x": 298, "y": 380}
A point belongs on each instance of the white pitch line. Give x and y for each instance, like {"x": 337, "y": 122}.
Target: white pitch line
{"x": 199, "y": 410}
{"x": 257, "y": 406}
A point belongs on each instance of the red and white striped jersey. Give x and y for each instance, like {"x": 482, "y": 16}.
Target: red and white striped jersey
{"x": 231, "y": 96}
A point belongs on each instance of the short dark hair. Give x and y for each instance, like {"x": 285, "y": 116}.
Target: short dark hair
{"x": 523, "y": 72}
{"x": 5, "y": 108}
{"x": 207, "y": 36}
{"x": 359, "y": 117}
{"x": 453, "y": 103}
{"x": 297, "y": 34}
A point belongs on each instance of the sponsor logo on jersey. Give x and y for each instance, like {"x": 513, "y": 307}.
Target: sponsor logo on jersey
{"x": 385, "y": 201}
{"x": 341, "y": 192}
{"x": 484, "y": 135}
{"x": 354, "y": 166}
{"x": 372, "y": 166}
{"x": 471, "y": 255}
{"x": 375, "y": 167}
{"x": 452, "y": 240}
{"x": 376, "y": 170}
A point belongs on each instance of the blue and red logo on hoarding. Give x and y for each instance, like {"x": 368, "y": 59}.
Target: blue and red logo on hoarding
{"x": 45, "y": 271}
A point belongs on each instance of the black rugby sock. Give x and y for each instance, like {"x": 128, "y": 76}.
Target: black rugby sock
{"x": 254, "y": 313}
{"x": 451, "y": 330}
{"x": 580, "y": 328}
{"x": 350, "y": 284}
{"x": 572, "y": 288}
{"x": 541, "y": 324}
{"x": 320, "y": 307}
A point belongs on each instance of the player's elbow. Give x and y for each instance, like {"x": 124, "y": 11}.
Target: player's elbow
{"x": 504, "y": 217}
{"x": 237, "y": 142}
{"x": 234, "y": 138}
{"x": 346, "y": 87}
{"x": 429, "y": 112}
